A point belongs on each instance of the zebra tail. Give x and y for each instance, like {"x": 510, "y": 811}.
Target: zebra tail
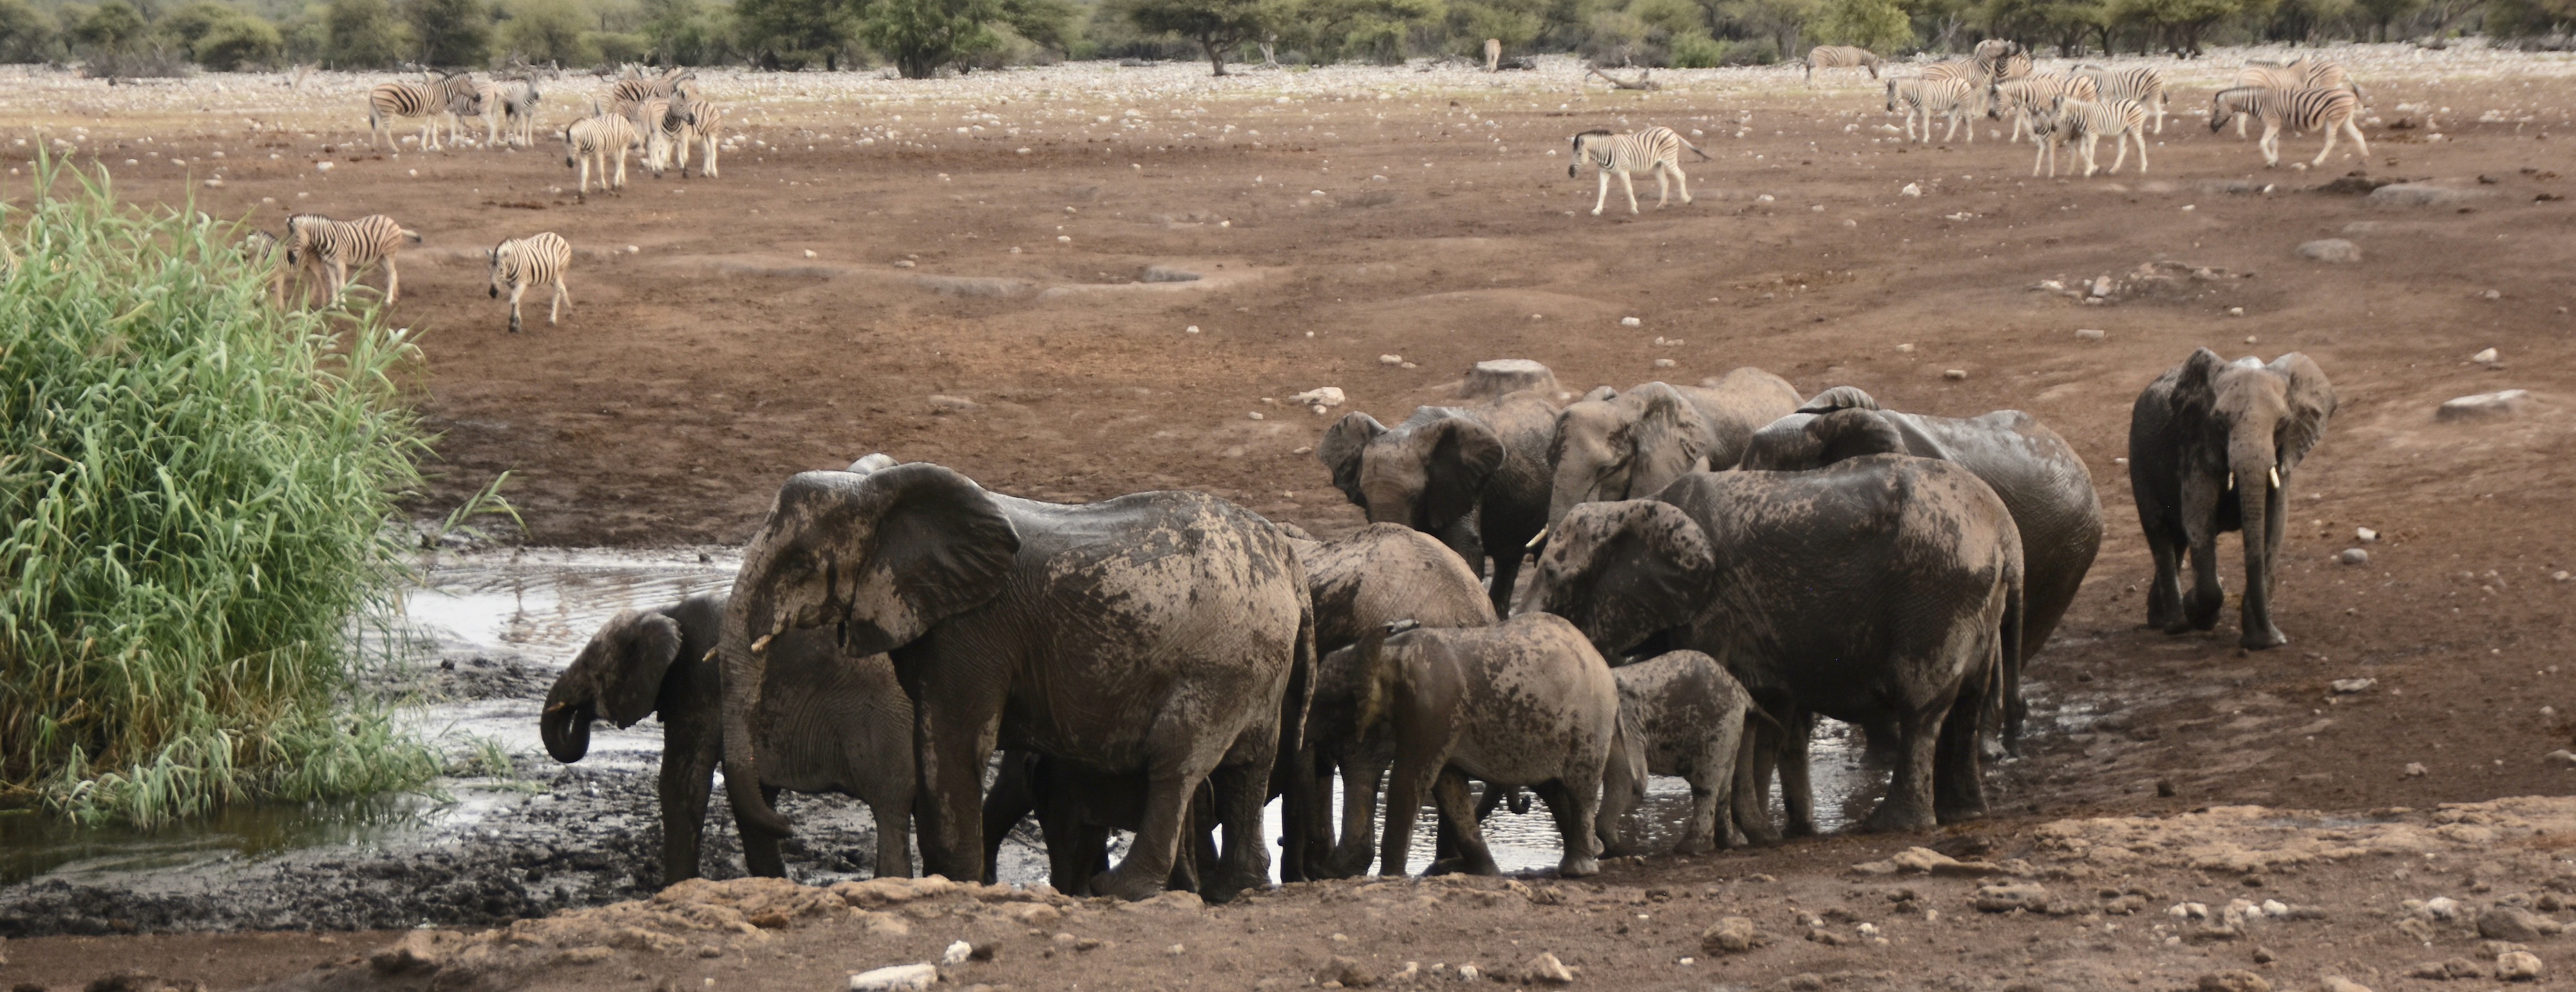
{"x": 1703, "y": 156}
{"x": 412, "y": 234}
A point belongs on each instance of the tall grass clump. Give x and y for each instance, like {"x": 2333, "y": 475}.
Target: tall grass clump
{"x": 195, "y": 490}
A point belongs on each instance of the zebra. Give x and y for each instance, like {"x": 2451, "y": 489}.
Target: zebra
{"x": 1841, "y": 57}
{"x": 2299, "y": 74}
{"x": 263, "y": 250}
{"x": 706, "y": 125}
{"x": 1655, "y": 149}
{"x": 2026, "y": 95}
{"x": 536, "y": 260}
{"x": 1923, "y": 98}
{"x": 2066, "y": 120}
{"x": 659, "y": 121}
{"x": 1965, "y": 70}
{"x": 1999, "y": 59}
{"x": 454, "y": 96}
{"x": 511, "y": 106}
{"x": 2142, "y": 84}
{"x": 595, "y": 139}
{"x": 315, "y": 240}
{"x": 2328, "y": 110}
{"x": 635, "y": 89}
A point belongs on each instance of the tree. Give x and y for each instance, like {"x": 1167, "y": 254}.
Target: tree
{"x": 547, "y": 31}
{"x": 362, "y": 34}
{"x": 1217, "y": 25}
{"x": 1329, "y": 29}
{"x": 26, "y": 34}
{"x": 1877, "y": 25}
{"x": 922, "y": 35}
{"x": 684, "y": 32}
{"x": 789, "y": 34}
{"x": 1780, "y": 20}
{"x": 114, "y": 27}
{"x": 2381, "y": 13}
{"x": 450, "y": 33}
{"x": 237, "y": 42}
{"x": 1515, "y": 23}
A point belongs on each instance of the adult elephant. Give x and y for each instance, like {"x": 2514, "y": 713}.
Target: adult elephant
{"x": 1473, "y": 476}
{"x": 1165, "y": 635}
{"x": 1614, "y": 446}
{"x": 2212, "y": 448}
{"x": 2039, "y": 476}
{"x": 1879, "y": 589}
{"x": 829, "y": 723}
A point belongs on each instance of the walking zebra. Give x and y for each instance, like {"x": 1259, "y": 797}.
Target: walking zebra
{"x": 635, "y": 89}
{"x": 594, "y": 140}
{"x": 2296, "y": 110}
{"x": 2024, "y": 96}
{"x": 2303, "y": 73}
{"x": 655, "y": 122}
{"x": 2142, "y": 84}
{"x": 2066, "y": 120}
{"x": 536, "y": 260}
{"x": 1951, "y": 98}
{"x": 317, "y": 241}
{"x": 511, "y": 106}
{"x": 2001, "y": 60}
{"x": 455, "y": 96}
{"x": 706, "y": 125}
{"x": 1655, "y": 149}
{"x": 1841, "y": 57}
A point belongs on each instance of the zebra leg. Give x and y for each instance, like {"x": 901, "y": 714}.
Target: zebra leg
{"x": 393, "y": 281}
{"x": 517, "y": 287}
{"x": 2363, "y": 147}
{"x": 1629, "y": 186}
{"x": 2328, "y": 150}
{"x": 2089, "y": 140}
{"x": 1604, "y": 199}
{"x": 2271, "y": 144}
{"x": 2142, "y": 152}
{"x": 554, "y": 306}
{"x": 1663, "y": 187}
{"x": 2119, "y": 143}
{"x": 1680, "y": 180}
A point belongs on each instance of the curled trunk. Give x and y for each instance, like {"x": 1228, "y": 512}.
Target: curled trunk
{"x": 565, "y": 728}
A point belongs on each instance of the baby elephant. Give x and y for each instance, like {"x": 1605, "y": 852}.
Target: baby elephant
{"x": 1679, "y": 714}
{"x": 1526, "y": 702}
{"x": 831, "y": 723}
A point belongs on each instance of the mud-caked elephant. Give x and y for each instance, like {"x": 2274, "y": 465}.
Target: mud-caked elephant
{"x": 2036, "y": 473}
{"x": 2212, "y": 448}
{"x": 829, "y": 723}
{"x": 1526, "y": 702}
{"x": 1473, "y": 476}
{"x": 1076, "y": 811}
{"x": 1680, "y": 714}
{"x": 1164, "y": 635}
{"x": 1612, "y": 446}
{"x": 1886, "y": 588}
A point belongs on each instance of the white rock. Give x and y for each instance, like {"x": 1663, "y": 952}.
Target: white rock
{"x": 2330, "y": 250}
{"x": 1545, "y": 969}
{"x": 1320, "y": 396}
{"x": 2365, "y": 535}
{"x": 2518, "y": 966}
{"x": 1910, "y": 189}
{"x": 1390, "y": 359}
{"x": 1469, "y": 973}
{"x": 1256, "y": 414}
{"x": 899, "y": 978}
{"x": 2346, "y": 687}
{"x": 957, "y": 953}
{"x": 324, "y": 166}
{"x": 2354, "y": 556}
{"x": 2442, "y": 908}
{"x": 2562, "y": 757}
{"x": 1176, "y": 950}
{"x": 2414, "y": 769}
{"x": 1904, "y": 349}
{"x": 2484, "y": 405}
{"x": 2275, "y": 908}
{"x": 1954, "y": 374}
{"x": 809, "y": 253}
{"x": 1631, "y": 322}
{"x": 2090, "y": 333}
{"x": 1665, "y": 363}
{"x": 1192, "y": 329}
{"x": 2487, "y": 357}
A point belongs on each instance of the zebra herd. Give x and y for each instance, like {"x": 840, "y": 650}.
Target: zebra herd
{"x": 2092, "y": 102}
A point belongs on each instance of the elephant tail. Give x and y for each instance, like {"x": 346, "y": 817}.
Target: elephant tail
{"x": 2003, "y": 694}
{"x": 1301, "y": 680}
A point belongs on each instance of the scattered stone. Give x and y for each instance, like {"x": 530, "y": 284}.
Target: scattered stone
{"x": 2562, "y": 757}
{"x": 2165, "y": 789}
{"x": 2421, "y": 195}
{"x": 1954, "y": 375}
{"x": 1732, "y": 935}
{"x": 899, "y": 978}
{"x": 1352, "y": 973}
{"x": 2415, "y": 927}
{"x": 2515, "y": 924}
{"x": 940, "y": 404}
{"x": 1927, "y": 861}
{"x": 957, "y": 953}
{"x": 2234, "y": 980}
{"x": 2090, "y": 333}
{"x": 2492, "y": 294}
{"x": 2353, "y": 556}
{"x": 2005, "y": 897}
{"x": 1320, "y": 398}
{"x": 1469, "y": 973}
{"x": 2264, "y": 955}
{"x": 1631, "y": 322}
{"x": 904, "y": 263}
{"x": 2518, "y": 966}
{"x": 1905, "y": 349}
{"x": 1911, "y": 189}
{"x": 2330, "y": 250}
{"x": 2487, "y": 357}
{"x": 1545, "y": 969}
{"x": 1497, "y": 376}
{"x": 2484, "y": 405}
{"x": 2415, "y": 769}
{"x": 2365, "y": 535}
{"x": 2338, "y": 983}
{"x": 2442, "y": 908}
{"x": 2346, "y": 687}
{"x": 1390, "y": 359}
{"x": 1256, "y": 415}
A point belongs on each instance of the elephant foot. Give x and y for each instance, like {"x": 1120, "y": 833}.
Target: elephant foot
{"x": 1223, "y": 886}
{"x": 1895, "y": 818}
{"x": 1801, "y": 829}
{"x": 1736, "y": 840}
{"x": 1133, "y": 888}
{"x": 1959, "y": 810}
{"x": 1578, "y": 867}
{"x": 1688, "y": 845}
{"x": 2263, "y": 638}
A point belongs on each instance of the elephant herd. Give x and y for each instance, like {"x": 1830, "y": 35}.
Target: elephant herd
{"x": 1712, "y": 567}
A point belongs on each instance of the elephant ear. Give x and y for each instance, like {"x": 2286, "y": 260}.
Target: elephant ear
{"x": 2311, "y": 400}
{"x": 1840, "y": 398}
{"x": 2195, "y": 402}
{"x": 1461, "y": 454}
{"x": 640, "y": 650}
{"x": 1340, "y": 451}
{"x": 1846, "y": 434}
{"x": 935, "y": 544}
{"x": 1670, "y": 437}
{"x": 1781, "y": 446}
{"x": 1600, "y": 394}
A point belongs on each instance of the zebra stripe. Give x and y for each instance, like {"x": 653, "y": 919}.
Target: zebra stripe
{"x": 1841, "y": 57}
{"x": 1951, "y": 98}
{"x": 315, "y": 240}
{"x": 455, "y": 96}
{"x": 635, "y": 89}
{"x": 262, "y": 249}
{"x": 2026, "y": 95}
{"x": 596, "y": 139}
{"x": 536, "y": 260}
{"x": 510, "y": 106}
{"x": 2328, "y": 110}
{"x": 2066, "y": 120}
{"x": 2142, "y": 84}
{"x": 1656, "y": 149}
{"x": 706, "y": 124}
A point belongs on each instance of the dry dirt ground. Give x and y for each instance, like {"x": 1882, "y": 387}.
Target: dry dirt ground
{"x": 727, "y": 332}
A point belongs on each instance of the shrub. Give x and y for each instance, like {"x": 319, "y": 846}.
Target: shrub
{"x": 450, "y": 33}
{"x": 617, "y": 46}
{"x": 196, "y": 489}
{"x": 548, "y": 30}
{"x": 240, "y": 42}
{"x": 26, "y": 34}
{"x": 363, "y": 34}
{"x": 1698, "y": 51}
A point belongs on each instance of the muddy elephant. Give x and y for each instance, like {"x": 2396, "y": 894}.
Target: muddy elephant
{"x": 2212, "y": 447}
{"x": 1526, "y": 702}
{"x": 1375, "y": 576}
{"x": 1612, "y": 446}
{"x": 1165, "y": 635}
{"x": 1473, "y": 476}
{"x": 2038, "y": 475}
{"x": 1680, "y": 714}
{"x": 1076, "y": 812}
{"x": 832, "y": 723}
{"x": 1885, "y": 588}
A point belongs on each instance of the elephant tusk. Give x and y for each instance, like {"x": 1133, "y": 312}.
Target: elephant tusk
{"x": 761, "y": 645}
{"x": 1533, "y": 542}
{"x": 711, "y": 655}
{"x": 558, "y": 708}
{"x": 2231, "y": 480}
{"x": 2276, "y": 477}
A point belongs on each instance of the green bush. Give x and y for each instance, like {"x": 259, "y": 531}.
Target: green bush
{"x": 455, "y": 34}
{"x": 1698, "y": 51}
{"x": 26, "y": 34}
{"x": 238, "y": 43}
{"x": 197, "y": 489}
{"x": 617, "y": 46}
{"x": 363, "y": 34}
{"x": 114, "y": 26}
{"x": 547, "y": 30}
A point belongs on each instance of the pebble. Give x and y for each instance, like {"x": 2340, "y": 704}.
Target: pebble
{"x": 2234, "y": 980}
{"x": 2354, "y": 556}
{"x": 2515, "y": 924}
{"x": 2518, "y": 966}
{"x": 2438, "y": 907}
{"x": 2414, "y": 769}
{"x": 1390, "y": 359}
{"x": 1954, "y": 375}
{"x": 2330, "y": 250}
{"x": 1905, "y": 349}
{"x": 1732, "y": 935}
{"x": 1192, "y": 329}
{"x": 2562, "y": 757}
{"x": 2090, "y": 333}
{"x": 1665, "y": 363}
{"x": 2338, "y": 983}
{"x": 899, "y": 978}
{"x": 2365, "y": 535}
{"x": 2008, "y": 896}
{"x": 2346, "y": 687}
{"x": 2487, "y": 357}
{"x": 957, "y": 953}
{"x": 904, "y": 263}
{"x": 1911, "y": 189}
{"x": 809, "y": 253}
{"x": 1545, "y": 969}
{"x": 2484, "y": 405}
{"x": 1469, "y": 973}
{"x": 1256, "y": 415}
{"x": 1631, "y": 322}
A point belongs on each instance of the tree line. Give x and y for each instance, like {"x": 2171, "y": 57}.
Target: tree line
{"x": 923, "y": 38}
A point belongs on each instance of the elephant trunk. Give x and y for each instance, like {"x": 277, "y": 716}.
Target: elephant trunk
{"x": 2258, "y": 494}
{"x": 565, "y": 728}
{"x": 749, "y": 622}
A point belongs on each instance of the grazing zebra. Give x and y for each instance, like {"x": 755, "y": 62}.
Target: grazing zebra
{"x": 2296, "y": 110}
{"x": 318, "y": 241}
{"x": 1999, "y": 59}
{"x": 595, "y": 139}
{"x": 511, "y": 106}
{"x": 454, "y": 96}
{"x": 1841, "y": 57}
{"x": 262, "y": 249}
{"x": 2142, "y": 84}
{"x": 706, "y": 124}
{"x": 2067, "y": 120}
{"x": 635, "y": 89}
{"x": 1952, "y": 98}
{"x": 654, "y": 122}
{"x": 2027, "y": 95}
{"x": 1655, "y": 149}
{"x": 536, "y": 260}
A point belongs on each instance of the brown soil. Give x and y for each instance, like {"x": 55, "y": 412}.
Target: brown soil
{"x": 690, "y": 377}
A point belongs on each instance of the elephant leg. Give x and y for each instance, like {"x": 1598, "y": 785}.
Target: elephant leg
{"x": 1576, "y": 804}
{"x": 688, "y": 776}
{"x": 2266, "y": 515}
{"x": 1753, "y": 766}
{"x": 1451, "y": 794}
{"x": 1404, "y": 796}
{"x": 1507, "y": 570}
{"x": 1012, "y": 798}
{"x": 894, "y": 837}
{"x": 1240, "y": 793}
{"x": 1908, "y": 806}
{"x": 1361, "y": 778}
{"x": 1797, "y": 794}
{"x": 760, "y": 848}
{"x": 1958, "y": 781}
{"x": 1076, "y": 852}
{"x": 2165, "y": 542}
{"x": 2208, "y": 595}
{"x": 1173, "y": 775}
{"x": 1622, "y": 828}
{"x": 952, "y": 728}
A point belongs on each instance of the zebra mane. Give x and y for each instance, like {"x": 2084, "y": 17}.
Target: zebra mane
{"x": 1598, "y": 132}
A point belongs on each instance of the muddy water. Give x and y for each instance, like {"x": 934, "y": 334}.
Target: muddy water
{"x": 474, "y": 650}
